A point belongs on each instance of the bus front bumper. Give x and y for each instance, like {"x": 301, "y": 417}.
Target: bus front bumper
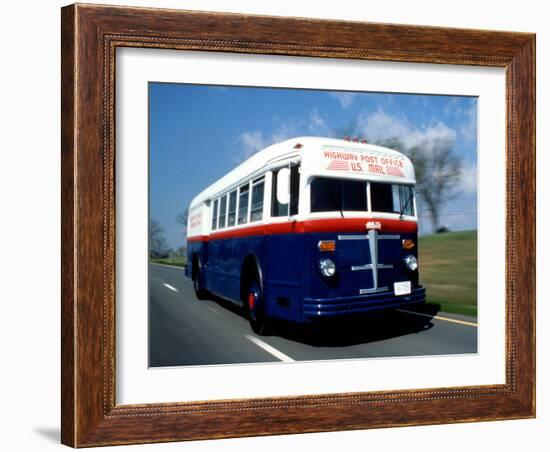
{"x": 329, "y": 307}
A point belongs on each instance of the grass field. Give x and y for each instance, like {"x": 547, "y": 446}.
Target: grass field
{"x": 448, "y": 270}
{"x": 178, "y": 261}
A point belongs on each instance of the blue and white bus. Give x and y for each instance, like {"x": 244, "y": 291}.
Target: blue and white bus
{"x": 308, "y": 228}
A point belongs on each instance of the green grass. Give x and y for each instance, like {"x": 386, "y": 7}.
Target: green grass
{"x": 178, "y": 261}
{"x": 448, "y": 270}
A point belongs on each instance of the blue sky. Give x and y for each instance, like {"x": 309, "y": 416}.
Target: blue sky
{"x": 197, "y": 133}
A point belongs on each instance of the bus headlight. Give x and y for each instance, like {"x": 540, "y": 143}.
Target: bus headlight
{"x": 411, "y": 262}
{"x": 327, "y": 268}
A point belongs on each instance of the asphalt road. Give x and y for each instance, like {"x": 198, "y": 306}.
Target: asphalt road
{"x": 186, "y": 331}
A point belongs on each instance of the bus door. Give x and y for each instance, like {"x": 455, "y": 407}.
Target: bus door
{"x": 285, "y": 246}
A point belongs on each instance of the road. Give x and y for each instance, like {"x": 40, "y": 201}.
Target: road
{"x": 186, "y": 331}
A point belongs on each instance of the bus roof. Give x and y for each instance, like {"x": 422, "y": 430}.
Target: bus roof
{"x": 337, "y": 156}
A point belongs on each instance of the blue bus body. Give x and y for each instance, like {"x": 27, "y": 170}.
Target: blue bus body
{"x": 293, "y": 287}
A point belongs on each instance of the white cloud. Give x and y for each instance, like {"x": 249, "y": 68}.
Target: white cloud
{"x": 381, "y": 126}
{"x": 468, "y": 178}
{"x": 466, "y": 115}
{"x": 251, "y": 143}
{"x": 345, "y": 99}
{"x": 452, "y": 108}
{"x": 468, "y": 130}
{"x": 255, "y": 140}
{"x": 431, "y": 135}
{"x": 283, "y": 132}
{"x": 316, "y": 123}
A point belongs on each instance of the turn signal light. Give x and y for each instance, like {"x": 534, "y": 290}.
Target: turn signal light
{"x": 408, "y": 244}
{"x": 327, "y": 245}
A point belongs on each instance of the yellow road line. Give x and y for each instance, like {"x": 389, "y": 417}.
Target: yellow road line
{"x": 438, "y": 317}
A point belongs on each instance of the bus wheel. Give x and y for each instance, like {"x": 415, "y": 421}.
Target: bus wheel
{"x": 200, "y": 292}
{"x": 255, "y": 307}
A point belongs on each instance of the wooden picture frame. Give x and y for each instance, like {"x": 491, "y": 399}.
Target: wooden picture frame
{"x": 90, "y": 36}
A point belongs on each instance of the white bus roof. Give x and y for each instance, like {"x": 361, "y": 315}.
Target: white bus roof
{"x": 336, "y": 158}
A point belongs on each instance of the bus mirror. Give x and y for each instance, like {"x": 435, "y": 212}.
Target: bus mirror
{"x": 283, "y": 186}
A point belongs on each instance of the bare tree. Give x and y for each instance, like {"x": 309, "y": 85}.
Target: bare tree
{"x": 348, "y": 130}
{"x": 438, "y": 171}
{"x": 181, "y": 218}
{"x": 393, "y": 143}
{"x": 157, "y": 243}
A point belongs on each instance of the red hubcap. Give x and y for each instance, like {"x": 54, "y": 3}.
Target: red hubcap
{"x": 251, "y": 300}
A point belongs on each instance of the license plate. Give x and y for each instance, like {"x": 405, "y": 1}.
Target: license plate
{"x": 402, "y": 288}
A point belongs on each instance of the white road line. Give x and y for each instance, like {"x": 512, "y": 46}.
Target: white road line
{"x": 213, "y": 310}
{"x": 438, "y": 317}
{"x": 269, "y": 349}
{"x": 170, "y": 287}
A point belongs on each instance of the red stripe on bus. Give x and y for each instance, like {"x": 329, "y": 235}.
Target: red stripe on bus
{"x": 358, "y": 225}
{"x": 322, "y": 225}
{"x": 198, "y": 238}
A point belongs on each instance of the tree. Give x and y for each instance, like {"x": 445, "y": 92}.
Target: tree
{"x": 438, "y": 171}
{"x": 181, "y": 218}
{"x": 348, "y": 130}
{"x": 393, "y": 143}
{"x": 157, "y": 243}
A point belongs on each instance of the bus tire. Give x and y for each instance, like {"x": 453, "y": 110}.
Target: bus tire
{"x": 200, "y": 291}
{"x": 255, "y": 306}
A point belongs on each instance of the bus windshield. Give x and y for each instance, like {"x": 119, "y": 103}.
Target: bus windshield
{"x": 336, "y": 195}
{"x": 339, "y": 195}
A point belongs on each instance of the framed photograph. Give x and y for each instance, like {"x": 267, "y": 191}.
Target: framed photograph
{"x": 281, "y": 225}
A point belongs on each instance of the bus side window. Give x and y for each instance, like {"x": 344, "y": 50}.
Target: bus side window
{"x": 277, "y": 209}
{"x": 243, "y": 205}
{"x": 223, "y": 210}
{"x": 294, "y": 188}
{"x": 281, "y": 210}
{"x": 257, "y": 207}
{"x": 215, "y": 215}
{"x": 232, "y": 208}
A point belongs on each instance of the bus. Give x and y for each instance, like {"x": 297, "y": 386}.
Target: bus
{"x": 306, "y": 229}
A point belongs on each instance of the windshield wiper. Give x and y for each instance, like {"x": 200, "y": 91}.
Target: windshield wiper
{"x": 333, "y": 199}
{"x": 402, "y": 211}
